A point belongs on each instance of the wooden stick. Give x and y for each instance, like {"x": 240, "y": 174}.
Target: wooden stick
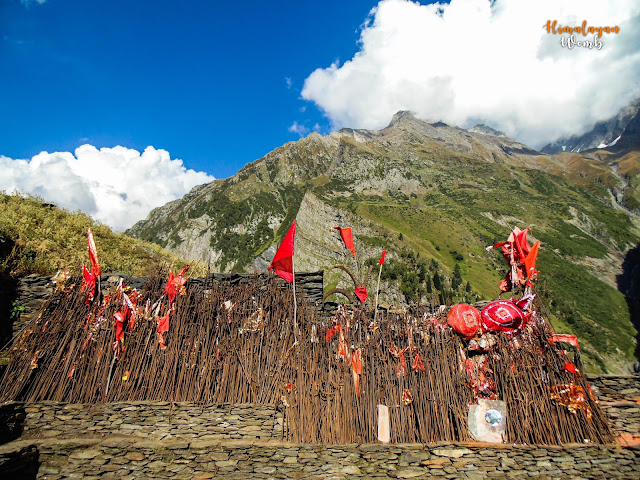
{"x": 295, "y": 303}
{"x": 375, "y": 310}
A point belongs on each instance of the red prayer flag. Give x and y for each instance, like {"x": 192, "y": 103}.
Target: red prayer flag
{"x": 120, "y": 317}
{"x": 163, "y": 327}
{"x": 175, "y": 283}
{"x": 356, "y": 369}
{"x": 530, "y": 261}
{"x": 91, "y": 277}
{"x": 93, "y": 254}
{"x": 384, "y": 252}
{"x": 570, "y": 339}
{"x": 361, "y": 293}
{"x": 347, "y": 238}
{"x": 283, "y": 260}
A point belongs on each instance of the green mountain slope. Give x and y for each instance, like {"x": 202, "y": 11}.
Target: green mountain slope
{"x": 435, "y": 196}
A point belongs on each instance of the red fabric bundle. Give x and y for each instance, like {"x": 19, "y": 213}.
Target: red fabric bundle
{"x": 465, "y": 320}
{"x": 503, "y": 316}
{"x": 175, "y": 283}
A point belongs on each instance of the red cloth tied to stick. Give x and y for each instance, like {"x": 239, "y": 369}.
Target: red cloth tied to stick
{"x": 570, "y": 339}
{"x": 331, "y": 332}
{"x": 521, "y": 259}
{"x": 93, "y": 254}
{"x": 356, "y": 369}
{"x": 401, "y": 371}
{"x": 282, "y": 262}
{"x": 120, "y": 317}
{"x": 347, "y": 239}
{"x": 163, "y": 327}
{"x": 175, "y": 284}
{"x": 88, "y": 284}
{"x": 481, "y": 378}
{"x": 417, "y": 363}
{"x": 90, "y": 277}
{"x": 361, "y": 293}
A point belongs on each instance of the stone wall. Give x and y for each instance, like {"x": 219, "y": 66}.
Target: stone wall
{"x": 620, "y": 397}
{"x": 186, "y": 440}
{"x": 150, "y": 420}
{"x": 31, "y": 293}
{"x": 124, "y": 458}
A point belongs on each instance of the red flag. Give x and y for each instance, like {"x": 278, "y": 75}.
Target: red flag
{"x": 401, "y": 371}
{"x": 163, "y": 327}
{"x": 91, "y": 277}
{"x": 175, "y": 284}
{"x": 361, "y": 293}
{"x": 530, "y": 261}
{"x": 347, "y": 238}
{"x": 93, "y": 254}
{"x": 89, "y": 282}
{"x": 283, "y": 260}
{"x": 384, "y": 252}
{"x": 570, "y": 339}
{"x": 356, "y": 369}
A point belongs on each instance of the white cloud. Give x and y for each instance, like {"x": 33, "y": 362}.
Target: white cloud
{"x": 299, "y": 129}
{"x": 475, "y": 61}
{"x": 117, "y": 186}
{"x": 289, "y": 82}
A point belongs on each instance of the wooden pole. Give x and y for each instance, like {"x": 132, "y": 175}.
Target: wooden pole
{"x": 375, "y": 310}
{"x": 295, "y": 302}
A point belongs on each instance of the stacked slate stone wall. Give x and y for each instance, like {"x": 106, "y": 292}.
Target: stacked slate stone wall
{"x": 31, "y": 292}
{"x": 620, "y": 397}
{"x": 130, "y": 440}
{"x": 129, "y": 458}
{"x": 152, "y": 420}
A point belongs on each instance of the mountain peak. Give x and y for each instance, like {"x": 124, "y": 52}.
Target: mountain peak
{"x": 401, "y": 117}
{"x": 619, "y": 130}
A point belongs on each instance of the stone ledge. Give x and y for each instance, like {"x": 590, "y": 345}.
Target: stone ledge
{"x": 125, "y": 457}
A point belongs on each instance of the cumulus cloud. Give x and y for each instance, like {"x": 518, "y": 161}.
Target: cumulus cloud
{"x": 299, "y": 129}
{"x": 483, "y": 61}
{"x": 116, "y": 186}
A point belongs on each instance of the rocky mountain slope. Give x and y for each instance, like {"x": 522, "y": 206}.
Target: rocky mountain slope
{"x": 603, "y": 134}
{"x": 435, "y": 196}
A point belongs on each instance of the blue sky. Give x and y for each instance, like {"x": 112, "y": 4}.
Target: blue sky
{"x": 117, "y": 107}
{"x": 204, "y": 80}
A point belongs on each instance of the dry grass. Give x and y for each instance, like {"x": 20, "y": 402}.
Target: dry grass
{"x": 40, "y": 238}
